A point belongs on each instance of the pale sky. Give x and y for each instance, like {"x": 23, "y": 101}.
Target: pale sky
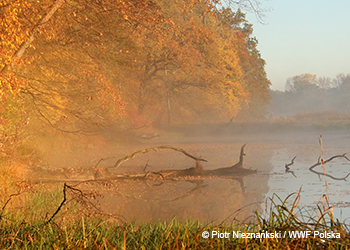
{"x": 304, "y": 36}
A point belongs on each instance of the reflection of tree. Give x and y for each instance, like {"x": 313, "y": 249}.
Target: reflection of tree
{"x": 199, "y": 184}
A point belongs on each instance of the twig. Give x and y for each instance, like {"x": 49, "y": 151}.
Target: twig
{"x": 288, "y": 169}
{"x": 157, "y": 173}
{"x": 60, "y": 206}
{"x": 146, "y": 166}
{"x": 65, "y": 187}
{"x": 102, "y": 159}
{"x": 4, "y": 206}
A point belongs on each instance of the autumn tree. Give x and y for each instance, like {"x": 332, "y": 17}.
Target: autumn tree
{"x": 87, "y": 63}
{"x": 193, "y": 66}
{"x": 80, "y": 60}
{"x": 16, "y": 35}
{"x": 253, "y": 79}
{"x": 63, "y": 65}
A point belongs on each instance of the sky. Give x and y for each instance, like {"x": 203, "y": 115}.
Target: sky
{"x": 303, "y": 36}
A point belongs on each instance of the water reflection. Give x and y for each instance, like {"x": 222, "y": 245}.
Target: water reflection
{"x": 218, "y": 199}
{"x": 215, "y": 199}
{"x": 313, "y": 186}
{"x": 210, "y": 199}
{"x": 204, "y": 200}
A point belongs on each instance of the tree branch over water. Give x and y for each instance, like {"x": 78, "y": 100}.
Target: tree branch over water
{"x": 154, "y": 149}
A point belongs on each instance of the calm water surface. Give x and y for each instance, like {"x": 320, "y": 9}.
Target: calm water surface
{"x": 225, "y": 199}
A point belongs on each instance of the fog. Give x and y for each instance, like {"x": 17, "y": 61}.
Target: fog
{"x": 294, "y": 122}
{"x": 310, "y": 99}
{"x": 270, "y": 145}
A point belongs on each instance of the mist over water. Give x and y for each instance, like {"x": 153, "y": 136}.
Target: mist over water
{"x": 215, "y": 199}
{"x": 309, "y": 99}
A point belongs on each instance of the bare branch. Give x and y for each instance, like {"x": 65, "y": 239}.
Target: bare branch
{"x": 154, "y": 149}
{"x": 319, "y": 163}
{"x": 60, "y": 206}
{"x": 6, "y": 203}
{"x": 251, "y": 6}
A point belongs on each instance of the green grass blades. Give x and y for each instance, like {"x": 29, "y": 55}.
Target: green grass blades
{"x": 285, "y": 226}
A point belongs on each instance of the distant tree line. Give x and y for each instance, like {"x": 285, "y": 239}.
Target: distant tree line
{"x": 306, "y": 93}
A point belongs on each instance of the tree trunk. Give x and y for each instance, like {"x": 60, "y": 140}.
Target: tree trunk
{"x": 19, "y": 53}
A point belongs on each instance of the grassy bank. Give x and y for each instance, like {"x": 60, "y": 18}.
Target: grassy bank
{"x": 74, "y": 227}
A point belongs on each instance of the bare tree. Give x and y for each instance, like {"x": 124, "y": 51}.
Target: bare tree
{"x": 324, "y": 82}
{"x": 254, "y": 6}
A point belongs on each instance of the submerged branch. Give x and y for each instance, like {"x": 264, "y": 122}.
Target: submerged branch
{"x": 288, "y": 168}
{"x": 321, "y": 163}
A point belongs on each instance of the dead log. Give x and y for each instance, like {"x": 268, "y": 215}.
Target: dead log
{"x": 235, "y": 170}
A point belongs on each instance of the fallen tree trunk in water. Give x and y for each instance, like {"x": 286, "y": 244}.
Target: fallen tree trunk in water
{"x": 105, "y": 174}
{"x": 235, "y": 170}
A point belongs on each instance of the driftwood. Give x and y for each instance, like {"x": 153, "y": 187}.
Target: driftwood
{"x": 235, "y": 170}
{"x": 321, "y": 162}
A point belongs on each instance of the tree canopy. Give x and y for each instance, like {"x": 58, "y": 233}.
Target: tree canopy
{"x": 76, "y": 64}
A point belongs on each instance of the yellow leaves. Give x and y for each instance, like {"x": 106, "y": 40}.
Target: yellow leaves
{"x": 13, "y": 32}
{"x": 10, "y": 84}
{"x": 99, "y": 50}
{"x": 110, "y": 97}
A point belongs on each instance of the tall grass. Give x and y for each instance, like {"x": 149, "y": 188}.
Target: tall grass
{"x": 74, "y": 229}
{"x": 286, "y": 216}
